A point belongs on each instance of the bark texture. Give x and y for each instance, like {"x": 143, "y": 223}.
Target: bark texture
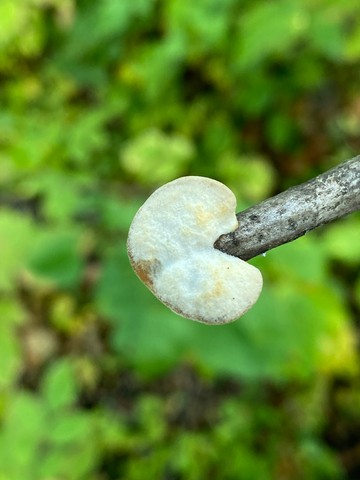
{"x": 294, "y": 212}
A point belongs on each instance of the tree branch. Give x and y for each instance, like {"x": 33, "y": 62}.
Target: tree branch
{"x": 292, "y": 213}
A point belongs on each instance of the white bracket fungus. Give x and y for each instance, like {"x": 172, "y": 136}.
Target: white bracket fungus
{"x": 171, "y": 248}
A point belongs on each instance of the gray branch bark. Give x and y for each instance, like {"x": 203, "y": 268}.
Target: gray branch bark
{"x": 294, "y": 212}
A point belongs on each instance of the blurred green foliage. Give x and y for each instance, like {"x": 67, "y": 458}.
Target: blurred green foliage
{"x": 101, "y": 102}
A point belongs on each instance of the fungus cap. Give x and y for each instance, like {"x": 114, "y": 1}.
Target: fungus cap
{"x": 171, "y": 249}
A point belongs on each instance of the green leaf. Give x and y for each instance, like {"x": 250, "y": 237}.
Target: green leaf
{"x": 303, "y": 260}
{"x": 249, "y": 177}
{"x": 342, "y": 241}
{"x": 59, "y": 388}
{"x": 352, "y": 46}
{"x": 117, "y": 214}
{"x": 57, "y": 259}
{"x": 11, "y": 315}
{"x": 326, "y": 35}
{"x": 22, "y": 431}
{"x": 17, "y": 234}
{"x": 13, "y": 20}
{"x": 204, "y": 22}
{"x": 261, "y": 38}
{"x": 60, "y": 192}
{"x": 72, "y": 429}
{"x": 155, "y": 158}
{"x": 72, "y": 451}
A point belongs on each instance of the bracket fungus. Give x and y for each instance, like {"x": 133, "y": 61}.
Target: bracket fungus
{"x": 171, "y": 249}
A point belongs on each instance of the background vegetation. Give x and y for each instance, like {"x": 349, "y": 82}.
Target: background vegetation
{"x": 101, "y": 102}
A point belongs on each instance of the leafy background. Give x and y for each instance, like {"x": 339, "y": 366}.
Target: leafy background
{"x": 101, "y": 102}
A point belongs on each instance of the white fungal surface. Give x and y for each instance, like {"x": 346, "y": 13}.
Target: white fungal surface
{"x": 170, "y": 246}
